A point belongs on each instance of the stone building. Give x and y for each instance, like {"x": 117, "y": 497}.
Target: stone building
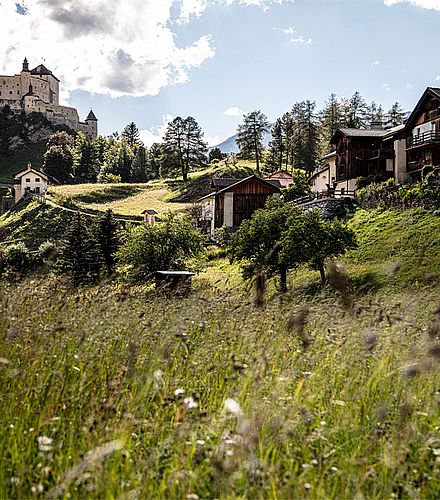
{"x": 29, "y": 181}
{"x": 38, "y": 90}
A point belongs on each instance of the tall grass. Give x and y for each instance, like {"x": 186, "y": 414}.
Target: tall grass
{"x": 114, "y": 391}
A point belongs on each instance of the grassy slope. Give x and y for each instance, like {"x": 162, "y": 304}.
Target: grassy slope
{"x": 161, "y": 195}
{"x": 334, "y": 419}
{"x": 12, "y": 164}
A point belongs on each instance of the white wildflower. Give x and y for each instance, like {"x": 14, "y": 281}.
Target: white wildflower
{"x": 179, "y": 391}
{"x": 233, "y": 407}
{"x": 307, "y": 486}
{"x": 200, "y": 442}
{"x": 190, "y": 403}
{"x": 44, "y": 443}
{"x": 323, "y": 423}
{"x": 158, "y": 374}
{"x": 334, "y": 469}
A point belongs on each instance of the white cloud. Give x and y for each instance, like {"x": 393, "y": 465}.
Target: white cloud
{"x": 155, "y": 134}
{"x": 409, "y": 86}
{"x": 375, "y": 64}
{"x": 213, "y": 140}
{"x": 386, "y": 87}
{"x": 233, "y": 111}
{"x": 294, "y": 37}
{"x": 102, "y": 46}
{"x": 109, "y": 47}
{"x": 424, "y": 4}
{"x": 437, "y": 78}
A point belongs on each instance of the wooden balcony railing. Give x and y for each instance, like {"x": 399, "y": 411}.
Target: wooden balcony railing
{"x": 426, "y": 138}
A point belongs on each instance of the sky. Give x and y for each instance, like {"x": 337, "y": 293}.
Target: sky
{"x": 148, "y": 61}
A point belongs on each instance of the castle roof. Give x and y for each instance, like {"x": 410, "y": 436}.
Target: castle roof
{"x": 41, "y": 70}
{"x": 91, "y": 117}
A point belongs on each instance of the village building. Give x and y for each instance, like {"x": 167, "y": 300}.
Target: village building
{"x": 422, "y": 131}
{"x": 284, "y": 177}
{"x": 324, "y": 179}
{"x": 29, "y": 181}
{"x": 399, "y": 152}
{"x": 38, "y": 90}
{"x": 235, "y": 200}
{"x": 150, "y": 217}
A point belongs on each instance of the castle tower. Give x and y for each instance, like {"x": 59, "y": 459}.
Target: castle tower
{"x": 25, "y": 78}
{"x": 92, "y": 123}
{"x": 25, "y": 65}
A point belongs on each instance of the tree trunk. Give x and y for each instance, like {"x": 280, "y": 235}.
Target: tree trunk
{"x": 322, "y": 272}
{"x": 283, "y": 280}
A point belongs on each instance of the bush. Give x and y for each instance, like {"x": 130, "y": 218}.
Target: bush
{"x": 15, "y": 260}
{"x": 300, "y": 186}
{"x": 168, "y": 245}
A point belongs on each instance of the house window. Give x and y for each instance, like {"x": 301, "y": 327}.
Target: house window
{"x": 37, "y": 179}
{"x": 389, "y": 165}
{"x": 37, "y": 190}
{"x": 28, "y": 180}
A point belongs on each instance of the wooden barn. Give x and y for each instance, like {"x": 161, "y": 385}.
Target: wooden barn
{"x": 236, "y": 200}
{"x": 360, "y": 153}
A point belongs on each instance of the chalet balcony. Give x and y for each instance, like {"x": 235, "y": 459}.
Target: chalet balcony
{"x": 383, "y": 154}
{"x": 430, "y": 137}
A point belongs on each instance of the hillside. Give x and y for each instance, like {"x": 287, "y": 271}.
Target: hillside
{"x": 142, "y": 395}
{"x": 23, "y": 139}
{"x": 229, "y": 145}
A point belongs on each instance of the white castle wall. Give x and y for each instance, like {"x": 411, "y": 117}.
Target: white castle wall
{"x": 14, "y": 92}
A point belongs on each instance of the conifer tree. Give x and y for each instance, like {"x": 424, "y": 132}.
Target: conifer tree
{"x": 287, "y": 127}
{"x": 108, "y": 239}
{"x": 331, "y": 118}
{"x": 85, "y": 159}
{"x": 305, "y": 147}
{"x": 58, "y": 158}
{"x": 79, "y": 253}
{"x": 130, "y": 135}
{"x": 139, "y": 170}
{"x": 276, "y": 150}
{"x": 184, "y": 146}
{"x": 374, "y": 114}
{"x": 250, "y": 137}
{"x": 124, "y": 162}
{"x": 357, "y": 111}
{"x": 395, "y": 115}
{"x": 155, "y": 154}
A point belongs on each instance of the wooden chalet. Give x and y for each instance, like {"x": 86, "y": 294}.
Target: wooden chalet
{"x": 360, "y": 153}
{"x": 423, "y": 132}
{"x": 235, "y": 200}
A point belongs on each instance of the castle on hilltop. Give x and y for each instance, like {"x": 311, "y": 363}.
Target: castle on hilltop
{"x": 37, "y": 90}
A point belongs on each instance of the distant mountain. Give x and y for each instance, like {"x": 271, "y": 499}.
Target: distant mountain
{"x": 230, "y": 144}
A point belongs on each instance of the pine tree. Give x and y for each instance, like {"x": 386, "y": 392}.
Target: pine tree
{"x": 395, "y": 116}
{"x": 374, "y": 114}
{"x": 79, "y": 253}
{"x": 305, "y": 148}
{"x": 58, "y": 158}
{"x": 108, "y": 239}
{"x": 139, "y": 170}
{"x": 130, "y": 135}
{"x": 287, "y": 127}
{"x": 216, "y": 154}
{"x": 85, "y": 159}
{"x": 276, "y": 155}
{"x": 184, "y": 146}
{"x": 155, "y": 154}
{"x": 124, "y": 162}
{"x": 357, "y": 111}
{"x": 250, "y": 137}
{"x": 331, "y": 118}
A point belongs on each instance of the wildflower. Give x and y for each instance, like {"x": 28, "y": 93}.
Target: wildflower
{"x": 158, "y": 374}
{"x": 305, "y": 466}
{"x": 200, "y": 442}
{"x": 38, "y": 489}
{"x": 44, "y": 443}
{"x": 190, "y": 403}
{"x": 334, "y": 469}
{"x": 179, "y": 391}
{"x": 315, "y": 462}
{"x": 323, "y": 423}
{"x": 232, "y": 406}
{"x": 307, "y": 486}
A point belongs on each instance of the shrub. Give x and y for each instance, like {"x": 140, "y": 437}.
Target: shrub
{"x": 168, "y": 245}
{"x": 17, "y": 256}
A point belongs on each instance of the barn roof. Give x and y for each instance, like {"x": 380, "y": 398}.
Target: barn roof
{"x": 357, "y": 132}
{"x": 274, "y": 184}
